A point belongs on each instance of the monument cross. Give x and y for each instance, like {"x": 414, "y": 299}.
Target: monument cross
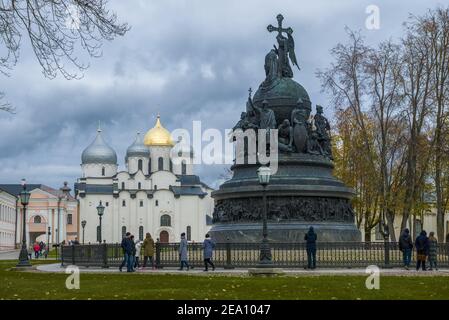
{"x": 279, "y": 28}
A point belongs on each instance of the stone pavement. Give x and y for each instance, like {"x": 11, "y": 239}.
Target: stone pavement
{"x": 9, "y": 255}
{"x": 244, "y": 272}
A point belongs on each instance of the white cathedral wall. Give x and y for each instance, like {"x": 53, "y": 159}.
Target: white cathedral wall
{"x": 159, "y": 151}
{"x": 95, "y": 170}
{"x": 133, "y": 164}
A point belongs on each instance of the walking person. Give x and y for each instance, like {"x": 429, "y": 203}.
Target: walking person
{"x": 183, "y": 252}
{"x": 41, "y": 247}
{"x": 137, "y": 254}
{"x": 422, "y": 250}
{"x": 433, "y": 251}
{"x": 208, "y": 246}
{"x": 148, "y": 250}
{"x": 36, "y": 249}
{"x": 126, "y": 246}
{"x": 133, "y": 253}
{"x": 310, "y": 239}
{"x": 406, "y": 247}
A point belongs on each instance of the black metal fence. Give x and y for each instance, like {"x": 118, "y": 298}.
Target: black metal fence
{"x": 246, "y": 255}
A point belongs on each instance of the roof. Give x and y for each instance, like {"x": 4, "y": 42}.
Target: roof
{"x": 187, "y": 191}
{"x": 15, "y": 189}
{"x": 95, "y": 188}
{"x": 6, "y": 191}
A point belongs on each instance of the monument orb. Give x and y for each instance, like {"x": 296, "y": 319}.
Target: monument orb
{"x": 303, "y": 192}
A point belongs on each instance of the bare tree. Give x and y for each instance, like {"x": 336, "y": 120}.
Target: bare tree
{"x": 58, "y": 32}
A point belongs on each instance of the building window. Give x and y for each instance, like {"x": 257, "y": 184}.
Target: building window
{"x": 157, "y": 203}
{"x": 123, "y": 231}
{"x": 141, "y": 203}
{"x": 103, "y": 171}
{"x": 189, "y": 233}
{"x": 69, "y": 218}
{"x": 418, "y": 227}
{"x": 155, "y": 187}
{"x": 123, "y": 186}
{"x": 183, "y": 167}
{"x": 141, "y": 233}
{"x": 165, "y": 220}
{"x": 107, "y": 204}
{"x": 140, "y": 164}
{"x": 123, "y": 203}
{"x": 171, "y": 166}
{"x": 139, "y": 186}
{"x": 160, "y": 163}
{"x": 37, "y": 219}
{"x": 149, "y": 166}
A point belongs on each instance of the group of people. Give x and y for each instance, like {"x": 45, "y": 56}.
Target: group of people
{"x": 40, "y": 249}
{"x": 426, "y": 249}
{"x": 131, "y": 252}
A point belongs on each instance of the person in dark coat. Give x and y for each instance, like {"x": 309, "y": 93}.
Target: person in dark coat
{"x": 310, "y": 239}
{"x": 422, "y": 250}
{"x": 433, "y": 251}
{"x": 406, "y": 247}
{"x": 127, "y": 252}
{"x": 133, "y": 252}
{"x": 208, "y": 246}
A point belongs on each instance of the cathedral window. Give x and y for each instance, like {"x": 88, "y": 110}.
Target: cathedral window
{"x": 103, "y": 171}
{"x": 140, "y": 164}
{"x": 183, "y": 167}
{"x": 37, "y": 219}
{"x": 141, "y": 233}
{"x": 123, "y": 231}
{"x": 123, "y": 203}
{"x": 160, "y": 163}
{"x": 149, "y": 166}
{"x": 165, "y": 220}
{"x": 157, "y": 203}
{"x": 141, "y": 203}
{"x": 189, "y": 233}
{"x": 69, "y": 218}
{"x": 139, "y": 186}
{"x": 123, "y": 186}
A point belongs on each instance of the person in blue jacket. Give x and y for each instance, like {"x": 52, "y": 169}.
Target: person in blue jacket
{"x": 127, "y": 253}
{"x": 310, "y": 239}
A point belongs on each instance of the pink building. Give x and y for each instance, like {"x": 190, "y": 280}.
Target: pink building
{"x": 52, "y": 215}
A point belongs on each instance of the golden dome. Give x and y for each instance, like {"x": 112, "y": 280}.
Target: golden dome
{"x": 158, "y": 136}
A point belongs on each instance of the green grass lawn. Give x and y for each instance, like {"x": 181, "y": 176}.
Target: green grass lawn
{"x": 33, "y": 285}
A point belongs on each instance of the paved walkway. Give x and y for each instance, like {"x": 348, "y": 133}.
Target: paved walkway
{"x": 240, "y": 272}
{"x": 9, "y": 255}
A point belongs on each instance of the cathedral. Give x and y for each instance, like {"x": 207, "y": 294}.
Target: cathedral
{"x": 154, "y": 194}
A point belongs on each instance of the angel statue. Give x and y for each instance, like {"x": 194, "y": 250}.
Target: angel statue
{"x": 285, "y": 51}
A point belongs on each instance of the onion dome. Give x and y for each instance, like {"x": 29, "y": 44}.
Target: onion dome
{"x": 99, "y": 152}
{"x": 158, "y": 136}
{"x": 137, "y": 149}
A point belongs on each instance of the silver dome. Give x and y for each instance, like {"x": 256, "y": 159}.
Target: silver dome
{"x": 137, "y": 149}
{"x": 99, "y": 152}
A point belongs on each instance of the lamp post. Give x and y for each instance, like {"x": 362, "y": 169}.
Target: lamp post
{"x": 48, "y": 238}
{"x": 24, "y": 199}
{"x": 83, "y": 225}
{"x": 100, "y": 211}
{"x": 264, "y": 174}
{"x": 63, "y": 195}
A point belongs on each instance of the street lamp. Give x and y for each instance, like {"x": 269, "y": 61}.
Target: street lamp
{"x": 24, "y": 199}
{"x": 83, "y": 225}
{"x": 48, "y": 238}
{"x": 100, "y": 210}
{"x": 264, "y": 174}
{"x": 64, "y": 194}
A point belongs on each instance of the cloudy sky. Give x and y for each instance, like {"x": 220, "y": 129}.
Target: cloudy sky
{"x": 187, "y": 60}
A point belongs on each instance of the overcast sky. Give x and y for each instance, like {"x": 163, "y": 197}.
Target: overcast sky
{"x": 187, "y": 60}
